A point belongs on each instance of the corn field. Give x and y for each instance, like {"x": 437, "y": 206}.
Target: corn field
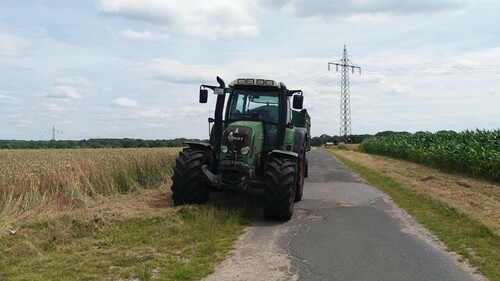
{"x": 30, "y": 178}
{"x": 475, "y": 153}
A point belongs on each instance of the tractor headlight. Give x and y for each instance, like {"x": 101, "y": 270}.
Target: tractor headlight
{"x": 245, "y": 150}
{"x": 224, "y": 149}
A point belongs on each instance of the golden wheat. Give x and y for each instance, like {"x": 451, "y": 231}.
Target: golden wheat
{"x": 68, "y": 177}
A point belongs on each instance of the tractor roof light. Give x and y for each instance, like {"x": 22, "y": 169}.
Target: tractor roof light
{"x": 269, "y": 83}
{"x": 253, "y": 81}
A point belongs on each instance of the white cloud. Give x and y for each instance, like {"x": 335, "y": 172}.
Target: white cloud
{"x": 207, "y": 19}
{"x": 24, "y": 122}
{"x": 12, "y": 45}
{"x": 64, "y": 92}
{"x": 77, "y": 81}
{"x": 178, "y": 72}
{"x": 347, "y": 8}
{"x": 194, "y": 110}
{"x": 156, "y": 11}
{"x": 50, "y": 106}
{"x": 145, "y": 35}
{"x": 7, "y": 99}
{"x": 69, "y": 88}
{"x": 483, "y": 58}
{"x": 155, "y": 113}
{"x": 125, "y": 102}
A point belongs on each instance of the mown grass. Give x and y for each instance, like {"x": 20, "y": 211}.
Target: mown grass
{"x": 108, "y": 216}
{"x": 465, "y": 236}
{"x": 183, "y": 245}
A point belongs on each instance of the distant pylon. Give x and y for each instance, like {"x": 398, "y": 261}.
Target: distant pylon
{"x": 54, "y": 131}
{"x": 345, "y": 99}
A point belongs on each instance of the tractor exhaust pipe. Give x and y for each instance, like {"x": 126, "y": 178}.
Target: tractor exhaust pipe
{"x": 221, "y": 82}
{"x": 215, "y": 138}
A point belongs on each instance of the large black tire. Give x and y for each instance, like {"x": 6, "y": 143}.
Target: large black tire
{"x": 189, "y": 186}
{"x": 279, "y": 193}
{"x": 307, "y": 169}
{"x": 301, "y": 174}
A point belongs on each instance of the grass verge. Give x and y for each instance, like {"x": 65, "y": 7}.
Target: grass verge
{"x": 108, "y": 215}
{"x": 131, "y": 239}
{"x": 461, "y": 234}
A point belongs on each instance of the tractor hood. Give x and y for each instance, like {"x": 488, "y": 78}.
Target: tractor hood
{"x": 243, "y": 140}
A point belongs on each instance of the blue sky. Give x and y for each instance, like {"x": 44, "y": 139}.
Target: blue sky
{"x": 130, "y": 68}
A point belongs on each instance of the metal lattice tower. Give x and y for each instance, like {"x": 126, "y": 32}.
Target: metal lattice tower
{"x": 345, "y": 98}
{"x": 54, "y": 131}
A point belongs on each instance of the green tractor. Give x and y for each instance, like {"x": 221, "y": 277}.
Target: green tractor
{"x": 260, "y": 141}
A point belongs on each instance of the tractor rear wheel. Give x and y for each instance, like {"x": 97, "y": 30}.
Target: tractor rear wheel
{"x": 306, "y": 174}
{"x": 301, "y": 174}
{"x": 188, "y": 185}
{"x": 279, "y": 193}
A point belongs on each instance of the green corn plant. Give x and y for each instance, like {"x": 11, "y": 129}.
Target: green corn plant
{"x": 476, "y": 153}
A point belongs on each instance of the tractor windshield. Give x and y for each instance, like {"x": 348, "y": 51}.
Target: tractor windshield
{"x": 257, "y": 105}
{"x": 249, "y": 104}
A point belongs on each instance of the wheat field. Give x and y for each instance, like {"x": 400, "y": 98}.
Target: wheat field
{"x": 67, "y": 178}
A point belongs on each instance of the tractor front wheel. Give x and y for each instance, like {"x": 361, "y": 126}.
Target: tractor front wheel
{"x": 279, "y": 193}
{"x": 189, "y": 186}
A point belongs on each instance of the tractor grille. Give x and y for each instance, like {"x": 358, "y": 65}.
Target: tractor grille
{"x": 242, "y": 136}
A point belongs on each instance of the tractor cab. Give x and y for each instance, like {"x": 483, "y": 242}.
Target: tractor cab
{"x": 257, "y": 105}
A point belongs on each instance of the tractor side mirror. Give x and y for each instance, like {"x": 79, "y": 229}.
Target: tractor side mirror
{"x": 203, "y": 95}
{"x": 298, "y": 101}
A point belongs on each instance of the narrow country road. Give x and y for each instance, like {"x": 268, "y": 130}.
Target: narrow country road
{"x": 343, "y": 229}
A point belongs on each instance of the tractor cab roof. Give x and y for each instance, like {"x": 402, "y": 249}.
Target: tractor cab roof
{"x": 256, "y": 82}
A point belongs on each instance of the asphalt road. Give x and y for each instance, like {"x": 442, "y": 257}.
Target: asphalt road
{"x": 343, "y": 229}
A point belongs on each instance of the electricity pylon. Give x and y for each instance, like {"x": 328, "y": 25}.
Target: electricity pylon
{"x": 345, "y": 99}
{"x": 54, "y": 131}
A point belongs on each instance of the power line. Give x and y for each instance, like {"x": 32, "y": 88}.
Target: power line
{"x": 345, "y": 107}
{"x": 432, "y": 70}
{"x": 308, "y": 79}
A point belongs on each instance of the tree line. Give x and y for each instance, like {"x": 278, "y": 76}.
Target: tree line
{"x": 178, "y": 142}
{"x": 356, "y": 139}
{"x": 93, "y": 143}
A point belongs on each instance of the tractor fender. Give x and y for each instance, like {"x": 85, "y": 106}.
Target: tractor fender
{"x": 284, "y": 153}
{"x": 300, "y": 137}
{"x": 199, "y": 145}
